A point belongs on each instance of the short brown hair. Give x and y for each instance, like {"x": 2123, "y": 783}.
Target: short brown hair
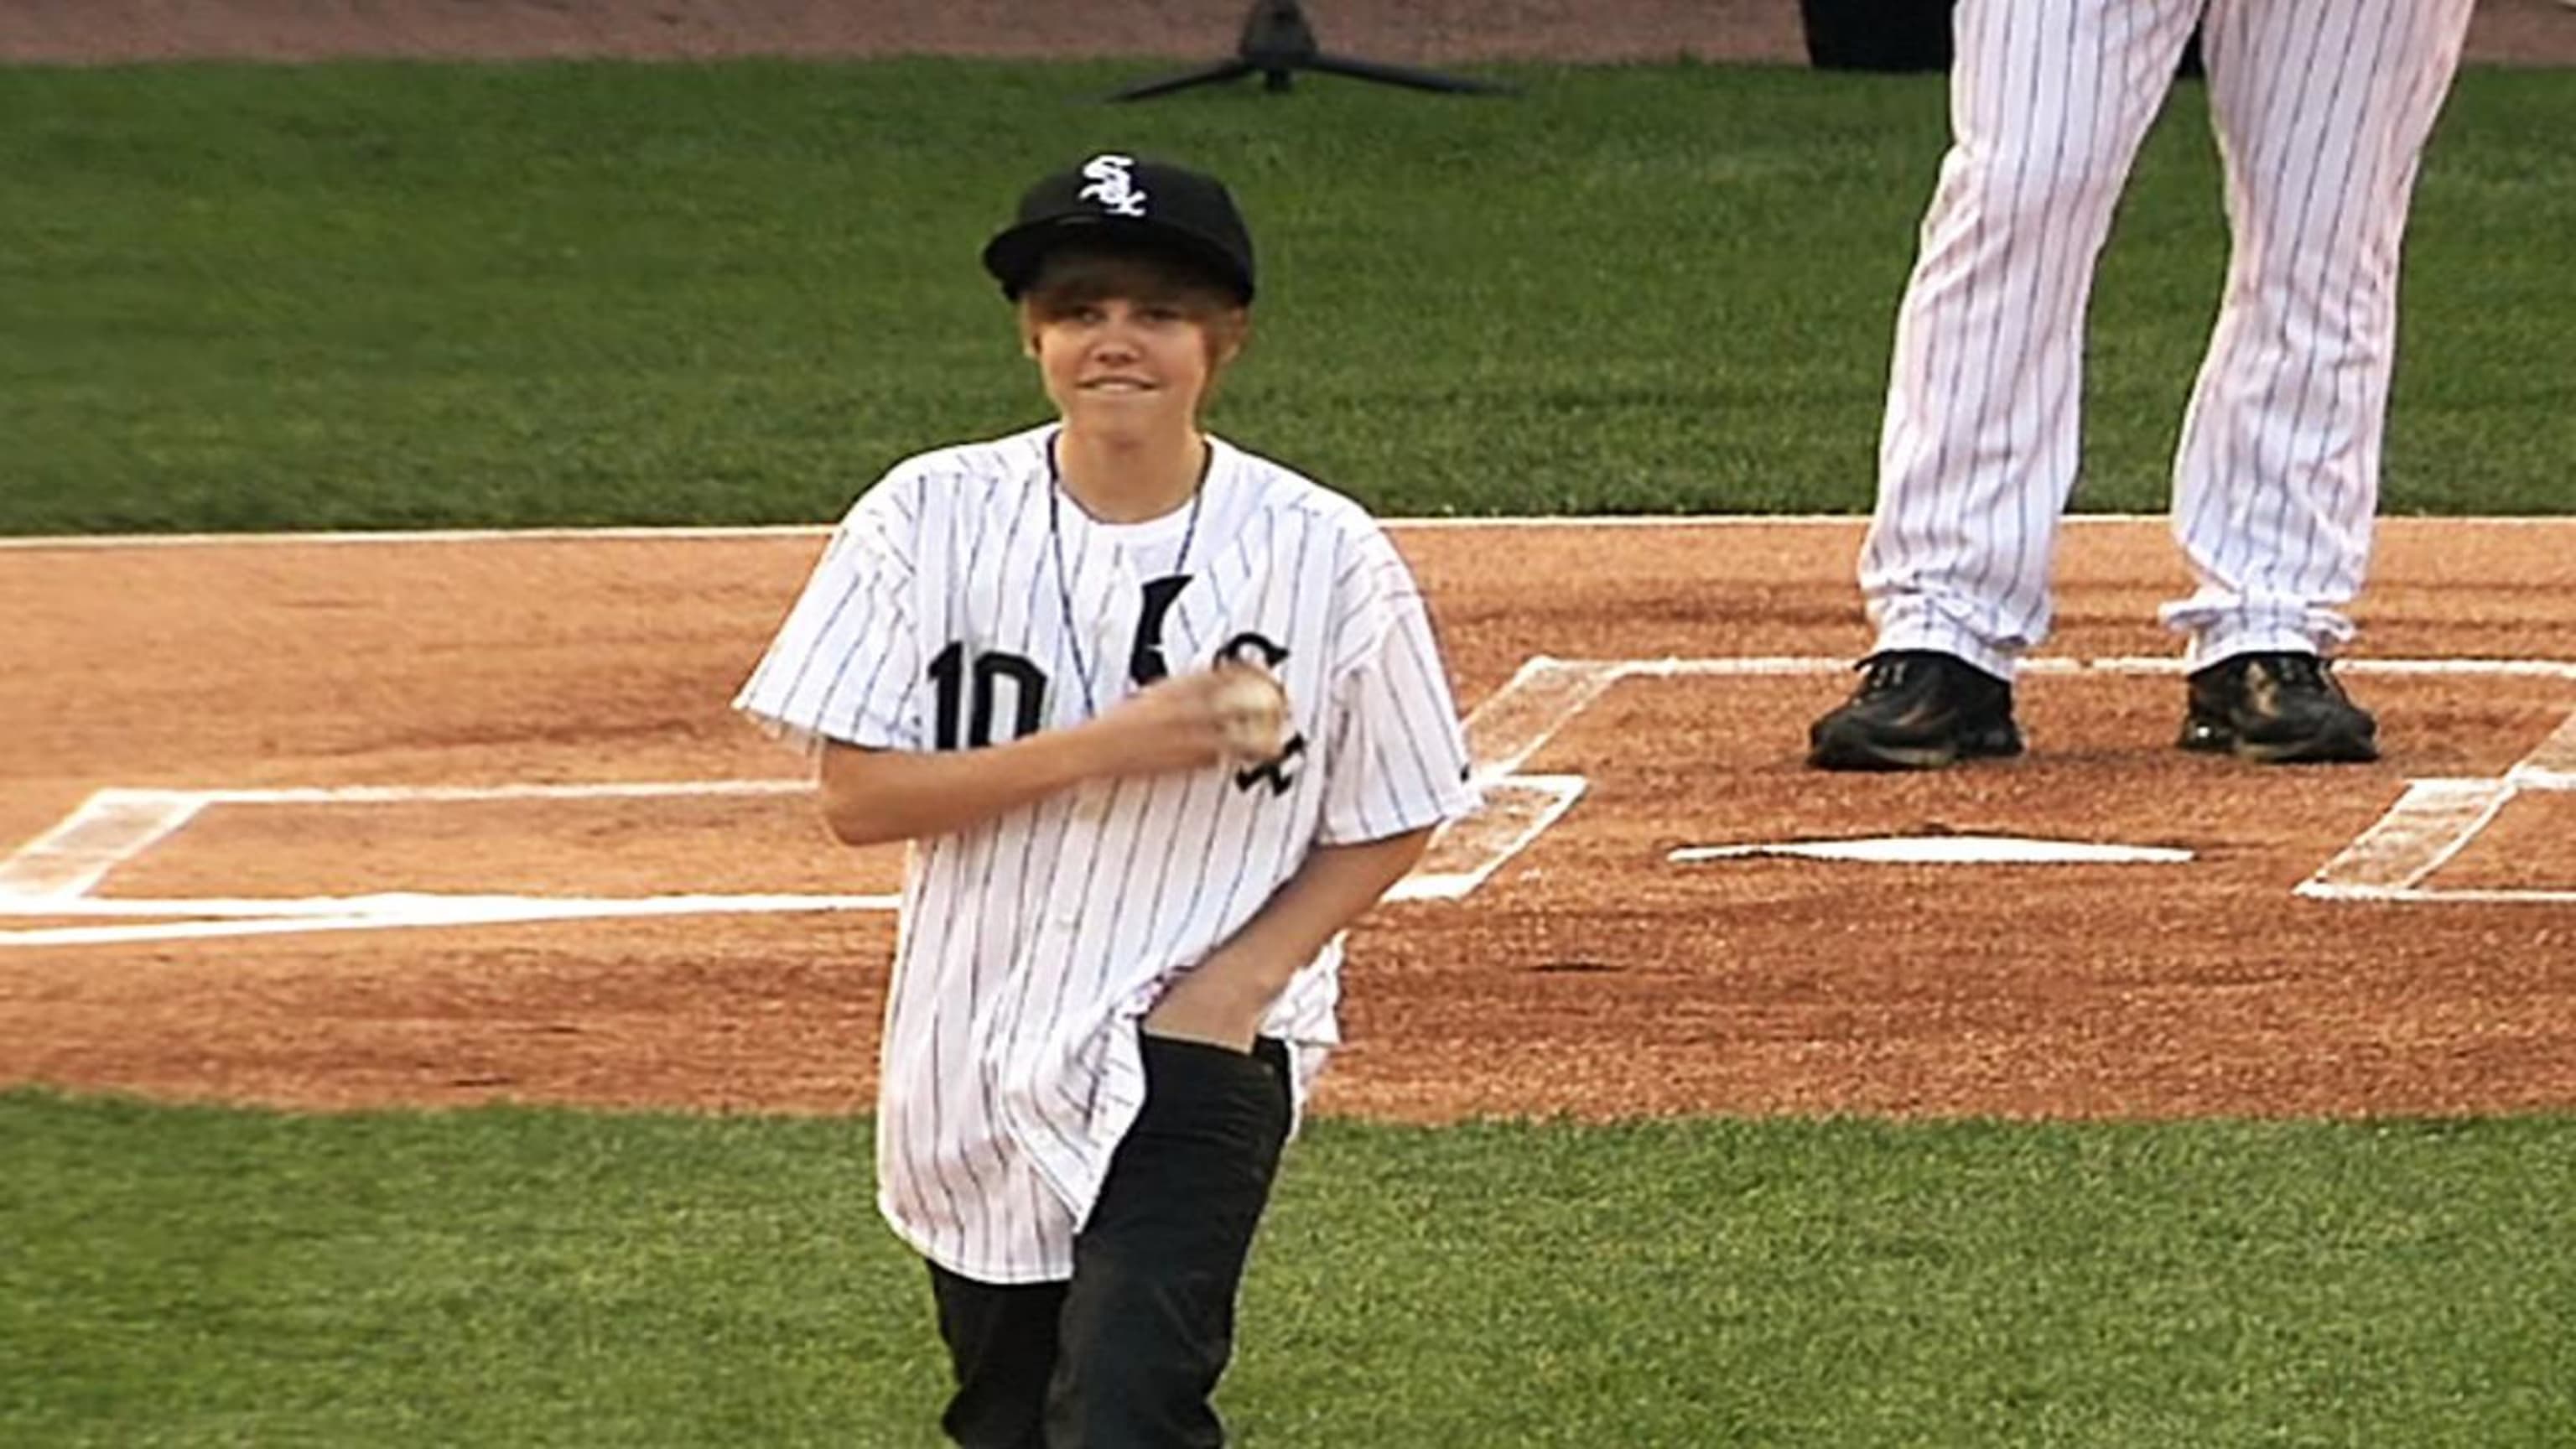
{"x": 1078, "y": 273}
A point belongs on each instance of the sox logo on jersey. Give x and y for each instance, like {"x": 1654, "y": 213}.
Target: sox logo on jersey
{"x": 1253, "y": 647}
{"x": 1031, "y": 944}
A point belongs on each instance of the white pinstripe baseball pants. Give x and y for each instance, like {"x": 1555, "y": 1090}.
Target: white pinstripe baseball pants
{"x": 2321, "y": 108}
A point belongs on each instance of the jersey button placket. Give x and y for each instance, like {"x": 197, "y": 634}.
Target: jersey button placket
{"x": 1091, "y": 799}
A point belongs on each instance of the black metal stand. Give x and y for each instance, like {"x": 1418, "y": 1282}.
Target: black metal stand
{"x": 1278, "y": 42}
{"x": 1901, "y": 35}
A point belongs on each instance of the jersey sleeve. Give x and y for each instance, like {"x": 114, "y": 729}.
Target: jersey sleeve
{"x": 846, "y": 664}
{"x": 1398, "y": 760}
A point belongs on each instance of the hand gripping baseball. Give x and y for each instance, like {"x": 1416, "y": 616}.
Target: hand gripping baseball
{"x": 1234, "y": 715}
{"x": 1252, "y": 711}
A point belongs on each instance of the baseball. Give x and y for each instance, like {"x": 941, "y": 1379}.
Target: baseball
{"x": 1254, "y": 711}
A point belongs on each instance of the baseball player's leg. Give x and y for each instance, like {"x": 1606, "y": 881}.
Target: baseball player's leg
{"x": 2322, "y": 111}
{"x": 1148, "y": 1323}
{"x": 2049, "y": 100}
{"x": 1001, "y": 1347}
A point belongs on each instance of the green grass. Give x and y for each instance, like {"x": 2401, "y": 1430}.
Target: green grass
{"x": 186, "y": 1276}
{"x": 389, "y": 296}
{"x": 238, "y": 297}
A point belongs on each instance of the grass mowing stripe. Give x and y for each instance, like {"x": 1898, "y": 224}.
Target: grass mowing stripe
{"x": 190, "y": 1276}
{"x": 381, "y": 295}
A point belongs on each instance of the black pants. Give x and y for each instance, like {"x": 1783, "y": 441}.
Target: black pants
{"x": 1125, "y": 1354}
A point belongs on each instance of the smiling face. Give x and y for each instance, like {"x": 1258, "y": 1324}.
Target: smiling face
{"x": 1128, "y": 344}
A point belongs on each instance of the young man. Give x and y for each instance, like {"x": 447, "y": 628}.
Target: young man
{"x": 1117, "y": 962}
{"x": 2322, "y": 110}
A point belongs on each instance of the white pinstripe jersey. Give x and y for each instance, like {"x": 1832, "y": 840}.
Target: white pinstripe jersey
{"x": 1031, "y": 944}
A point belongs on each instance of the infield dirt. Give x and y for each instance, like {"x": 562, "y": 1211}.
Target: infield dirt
{"x": 1587, "y": 975}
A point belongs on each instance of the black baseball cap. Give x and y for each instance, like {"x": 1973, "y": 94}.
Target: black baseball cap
{"x": 1153, "y": 203}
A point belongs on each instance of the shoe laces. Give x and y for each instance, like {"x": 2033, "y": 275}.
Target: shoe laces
{"x": 1885, "y": 676}
{"x": 2299, "y": 669}
{"x": 2302, "y": 673}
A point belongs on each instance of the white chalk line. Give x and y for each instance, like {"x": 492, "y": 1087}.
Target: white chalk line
{"x": 2424, "y": 831}
{"x": 1517, "y": 811}
{"x": 683, "y": 533}
{"x": 2429, "y": 825}
{"x": 2419, "y": 896}
{"x": 2433, "y": 822}
{"x": 109, "y": 828}
{"x": 2388, "y": 862}
{"x": 2054, "y": 667}
{"x": 1546, "y": 674}
{"x": 52, "y": 876}
{"x": 1969, "y": 850}
{"x": 2555, "y": 757}
{"x": 114, "y": 825}
{"x": 430, "y": 904}
{"x": 790, "y": 532}
{"x": 209, "y": 919}
{"x": 444, "y": 794}
{"x": 1536, "y": 702}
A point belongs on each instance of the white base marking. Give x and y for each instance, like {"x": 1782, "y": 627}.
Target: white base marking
{"x": 431, "y": 904}
{"x": 2433, "y": 822}
{"x": 1529, "y": 709}
{"x": 687, "y": 533}
{"x": 222, "y": 918}
{"x": 2553, "y": 760}
{"x": 454, "y": 794}
{"x": 110, "y": 827}
{"x": 1561, "y": 673}
{"x": 1517, "y": 811}
{"x": 53, "y": 875}
{"x": 2453, "y": 896}
{"x": 1944, "y": 850}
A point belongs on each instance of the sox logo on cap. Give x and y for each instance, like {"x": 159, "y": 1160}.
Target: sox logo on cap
{"x": 1112, "y": 186}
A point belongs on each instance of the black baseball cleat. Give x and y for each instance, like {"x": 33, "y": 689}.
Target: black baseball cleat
{"x": 1916, "y": 709}
{"x": 2277, "y": 709}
